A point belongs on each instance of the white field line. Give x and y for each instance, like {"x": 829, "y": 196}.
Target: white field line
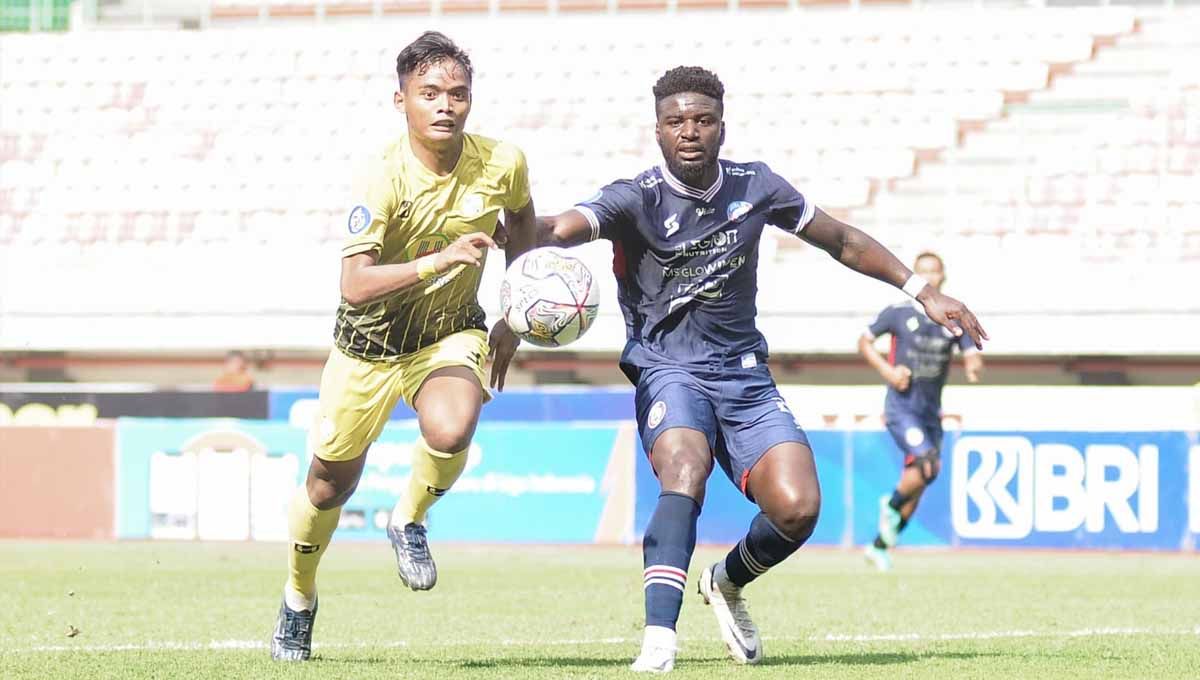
{"x": 217, "y": 645}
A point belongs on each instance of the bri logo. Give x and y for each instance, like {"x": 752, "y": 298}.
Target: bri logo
{"x": 1005, "y": 487}
{"x": 737, "y": 211}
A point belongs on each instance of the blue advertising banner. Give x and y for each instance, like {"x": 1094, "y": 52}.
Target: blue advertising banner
{"x": 1129, "y": 490}
{"x": 522, "y": 483}
{"x": 228, "y": 479}
{"x": 1107, "y": 490}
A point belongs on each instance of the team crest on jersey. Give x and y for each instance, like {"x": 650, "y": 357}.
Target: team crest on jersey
{"x": 360, "y": 217}
{"x": 913, "y": 323}
{"x": 657, "y": 413}
{"x": 737, "y": 211}
{"x": 472, "y": 205}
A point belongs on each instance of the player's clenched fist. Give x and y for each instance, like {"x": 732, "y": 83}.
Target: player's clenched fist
{"x": 465, "y": 250}
{"x": 900, "y": 378}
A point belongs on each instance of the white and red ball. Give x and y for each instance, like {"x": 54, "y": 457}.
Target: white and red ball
{"x": 549, "y": 297}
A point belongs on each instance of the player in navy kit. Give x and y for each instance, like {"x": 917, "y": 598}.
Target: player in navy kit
{"x": 915, "y": 370}
{"x": 685, "y": 241}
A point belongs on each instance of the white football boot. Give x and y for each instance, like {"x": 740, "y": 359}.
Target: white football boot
{"x": 728, "y": 605}
{"x": 658, "y": 651}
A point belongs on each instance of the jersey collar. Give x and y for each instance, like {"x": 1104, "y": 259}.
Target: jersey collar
{"x": 686, "y": 191}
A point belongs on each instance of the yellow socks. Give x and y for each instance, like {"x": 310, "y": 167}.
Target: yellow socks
{"x": 433, "y": 473}
{"x": 310, "y": 530}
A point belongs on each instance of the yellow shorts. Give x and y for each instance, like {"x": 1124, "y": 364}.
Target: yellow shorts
{"x": 357, "y": 397}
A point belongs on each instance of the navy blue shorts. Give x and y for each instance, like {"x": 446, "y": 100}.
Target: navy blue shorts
{"x": 740, "y": 412}
{"x": 916, "y": 435}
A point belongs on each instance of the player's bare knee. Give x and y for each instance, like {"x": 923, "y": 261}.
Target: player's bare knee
{"x": 928, "y": 466}
{"x": 326, "y": 494}
{"x": 798, "y": 518}
{"x": 684, "y": 470}
{"x": 448, "y": 438}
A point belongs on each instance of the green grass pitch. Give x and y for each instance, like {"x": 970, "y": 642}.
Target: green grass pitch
{"x": 205, "y": 610}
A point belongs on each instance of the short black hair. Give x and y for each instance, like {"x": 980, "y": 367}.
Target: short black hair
{"x": 930, "y": 253}
{"x": 430, "y": 49}
{"x": 689, "y": 79}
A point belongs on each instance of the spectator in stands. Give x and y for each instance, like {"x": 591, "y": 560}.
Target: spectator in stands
{"x": 235, "y": 376}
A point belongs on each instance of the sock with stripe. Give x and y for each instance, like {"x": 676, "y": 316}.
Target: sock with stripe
{"x": 433, "y": 473}
{"x": 666, "y": 552}
{"x": 763, "y": 547}
{"x": 310, "y": 530}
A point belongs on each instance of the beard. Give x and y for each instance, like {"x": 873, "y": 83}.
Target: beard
{"x": 690, "y": 172}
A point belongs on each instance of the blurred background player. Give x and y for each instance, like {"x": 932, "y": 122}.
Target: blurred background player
{"x": 409, "y": 326}
{"x": 235, "y": 374}
{"x": 915, "y": 371}
{"x": 685, "y": 237}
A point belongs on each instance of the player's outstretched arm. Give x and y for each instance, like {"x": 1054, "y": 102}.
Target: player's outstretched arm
{"x": 564, "y": 230}
{"x": 858, "y": 251}
{"x": 364, "y": 280}
{"x": 519, "y": 236}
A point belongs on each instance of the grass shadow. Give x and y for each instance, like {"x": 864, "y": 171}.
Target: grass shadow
{"x": 542, "y": 662}
{"x": 869, "y": 658}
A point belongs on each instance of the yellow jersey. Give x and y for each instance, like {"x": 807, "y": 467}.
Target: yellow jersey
{"x": 407, "y": 211}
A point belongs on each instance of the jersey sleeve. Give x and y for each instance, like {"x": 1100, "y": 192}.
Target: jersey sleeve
{"x": 518, "y": 182}
{"x": 789, "y": 209}
{"x": 612, "y": 210}
{"x": 882, "y": 324}
{"x": 375, "y": 203}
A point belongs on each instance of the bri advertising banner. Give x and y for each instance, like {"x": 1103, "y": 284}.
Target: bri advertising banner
{"x": 590, "y": 482}
{"x": 1105, "y": 490}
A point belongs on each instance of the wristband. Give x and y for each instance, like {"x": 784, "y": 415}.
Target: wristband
{"x": 914, "y": 285}
{"x": 425, "y": 268}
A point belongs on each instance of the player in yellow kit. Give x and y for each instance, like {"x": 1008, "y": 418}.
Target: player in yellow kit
{"x": 410, "y": 326}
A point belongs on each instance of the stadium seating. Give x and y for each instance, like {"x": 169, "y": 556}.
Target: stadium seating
{"x": 172, "y": 156}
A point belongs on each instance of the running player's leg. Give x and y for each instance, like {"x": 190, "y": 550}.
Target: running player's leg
{"x": 444, "y": 384}
{"x": 677, "y": 426}
{"x": 356, "y": 399}
{"x": 919, "y": 441}
{"x": 767, "y": 455}
{"x": 923, "y": 469}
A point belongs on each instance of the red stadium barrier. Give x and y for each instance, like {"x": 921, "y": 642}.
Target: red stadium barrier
{"x": 58, "y": 481}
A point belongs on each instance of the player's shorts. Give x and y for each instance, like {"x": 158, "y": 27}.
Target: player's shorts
{"x": 357, "y": 397}
{"x": 916, "y": 435}
{"x": 740, "y": 412}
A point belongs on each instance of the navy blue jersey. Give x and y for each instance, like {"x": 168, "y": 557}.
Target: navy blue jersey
{"x": 925, "y": 348}
{"x": 686, "y": 262}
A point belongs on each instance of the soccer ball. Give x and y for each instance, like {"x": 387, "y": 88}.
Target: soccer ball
{"x": 549, "y": 297}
